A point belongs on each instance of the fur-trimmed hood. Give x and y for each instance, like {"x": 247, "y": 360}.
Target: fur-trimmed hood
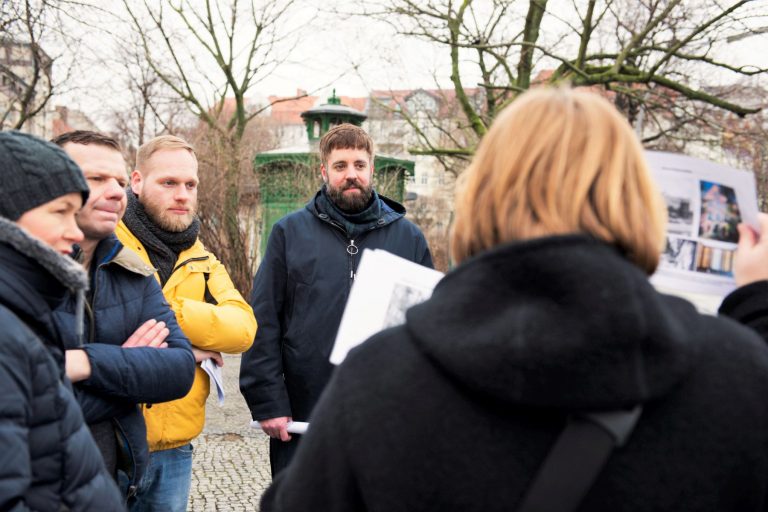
{"x": 65, "y": 270}
{"x": 69, "y": 273}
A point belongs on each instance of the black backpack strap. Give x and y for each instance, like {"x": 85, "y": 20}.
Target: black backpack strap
{"x": 210, "y": 299}
{"x": 575, "y": 460}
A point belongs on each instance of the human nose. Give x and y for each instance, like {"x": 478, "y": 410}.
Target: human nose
{"x": 72, "y": 232}
{"x": 350, "y": 174}
{"x": 115, "y": 191}
{"x": 182, "y": 194}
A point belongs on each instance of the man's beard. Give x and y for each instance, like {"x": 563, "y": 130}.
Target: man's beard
{"x": 168, "y": 221}
{"x": 353, "y": 203}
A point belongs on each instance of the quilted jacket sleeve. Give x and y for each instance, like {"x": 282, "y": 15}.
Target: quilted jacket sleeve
{"x": 15, "y": 469}
{"x": 98, "y": 408}
{"x": 226, "y": 326}
{"x": 261, "y": 368}
{"x": 142, "y": 374}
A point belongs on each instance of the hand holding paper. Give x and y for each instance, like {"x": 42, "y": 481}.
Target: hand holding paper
{"x": 705, "y": 201}
{"x": 385, "y": 287}
{"x": 752, "y": 253}
{"x": 214, "y": 372}
{"x": 294, "y": 427}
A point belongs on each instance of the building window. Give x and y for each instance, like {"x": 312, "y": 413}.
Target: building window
{"x": 424, "y": 178}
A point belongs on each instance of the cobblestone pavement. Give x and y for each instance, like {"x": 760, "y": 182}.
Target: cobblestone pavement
{"x": 230, "y": 469}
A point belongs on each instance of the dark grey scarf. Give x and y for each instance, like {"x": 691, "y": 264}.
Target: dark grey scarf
{"x": 354, "y": 223}
{"x": 163, "y": 247}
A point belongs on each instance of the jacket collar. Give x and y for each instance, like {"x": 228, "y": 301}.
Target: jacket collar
{"x": 389, "y": 211}
{"x": 111, "y": 251}
{"x": 67, "y": 272}
{"x": 563, "y": 322}
{"x": 34, "y": 279}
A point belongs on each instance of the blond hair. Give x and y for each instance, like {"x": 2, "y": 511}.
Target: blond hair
{"x": 159, "y": 143}
{"x": 560, "y": 161}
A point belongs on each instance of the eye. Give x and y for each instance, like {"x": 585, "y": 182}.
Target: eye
{"x": 97, "y": 179}
{"x": 191, "y": 185}
{"x": 169, "y": 183}
{"x": 65, "y": 209}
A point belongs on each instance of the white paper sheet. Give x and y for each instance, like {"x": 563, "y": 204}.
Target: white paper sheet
{"x": 214, "y": 372}
{"x": 294, "y": 427}
{"x": 705, "y": 202}
{"x": 385, "y": 287}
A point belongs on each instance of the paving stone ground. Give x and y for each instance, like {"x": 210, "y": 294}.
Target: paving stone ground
{"x": 230, "y": 469}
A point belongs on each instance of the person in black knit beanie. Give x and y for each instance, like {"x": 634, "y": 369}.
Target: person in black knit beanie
{"x": 49, "y": 459}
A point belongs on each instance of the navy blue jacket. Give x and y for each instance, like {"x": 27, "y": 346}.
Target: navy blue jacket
{"x": 48, "y": 459}
{"x": 123, "y": 296}
{"x": 298, "y": 297}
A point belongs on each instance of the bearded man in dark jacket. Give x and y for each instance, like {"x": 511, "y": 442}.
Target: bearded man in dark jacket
{"x": 132, "y": 342}
{"x": 303, "y": 282}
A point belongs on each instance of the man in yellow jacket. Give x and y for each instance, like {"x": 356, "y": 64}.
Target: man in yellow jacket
{"x": 160, "y": 224}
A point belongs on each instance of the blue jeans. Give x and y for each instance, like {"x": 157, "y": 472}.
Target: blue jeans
{"x": 165, "y": 485}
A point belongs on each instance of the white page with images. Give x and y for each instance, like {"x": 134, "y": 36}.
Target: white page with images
{"x": 385, "y": 287}
{"x": 705, "y": 202}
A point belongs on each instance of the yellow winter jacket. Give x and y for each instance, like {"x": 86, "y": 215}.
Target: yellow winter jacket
{"x": 228, "y": 326}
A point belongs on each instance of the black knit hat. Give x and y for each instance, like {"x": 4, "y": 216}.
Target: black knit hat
{"x": 33, "y": 172}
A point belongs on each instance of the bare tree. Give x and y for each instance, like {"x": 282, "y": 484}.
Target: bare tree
{"x": 151, "y": 107}
{"x": 649, "y": 56}
{"x": 26, "y": 69}
{"x": 432, "y": 215}
{"x": 745, "y": 140}
{"x": 210, "y": 54}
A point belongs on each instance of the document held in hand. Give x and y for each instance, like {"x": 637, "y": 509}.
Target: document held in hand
{"x": 294, "y": 427}
{"x": 705, "y": 202}
{"x": 385, "y": 287}
{"x": 214, "y": 372}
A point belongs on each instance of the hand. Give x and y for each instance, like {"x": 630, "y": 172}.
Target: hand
{"x": 752, "y": 253}
{"x": 201, "y": 355}
{"x": 277, "y": 427}
{"x": 151, "y": 334}
{"x": 77, "y": 365}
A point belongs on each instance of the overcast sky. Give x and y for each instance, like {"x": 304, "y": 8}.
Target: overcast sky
{"x": 355, "y": 55}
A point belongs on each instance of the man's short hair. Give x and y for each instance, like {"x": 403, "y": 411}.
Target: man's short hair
{"x": 345, "y": 136}
{"x": 86, "y": 137}
{"x": 159, "y": 143}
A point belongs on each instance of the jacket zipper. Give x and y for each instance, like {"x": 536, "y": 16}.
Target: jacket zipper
{"x": 89, "y": 304}
{"x": 91, "y": 321}
{"x": 196, "y": 258}
{"x": 190, "y": 260}
{"x": 351, "y": 248}
{"x": 132, "y": 486}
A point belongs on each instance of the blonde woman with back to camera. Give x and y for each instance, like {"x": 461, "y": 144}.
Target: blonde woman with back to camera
{"x": 548, "y": 319}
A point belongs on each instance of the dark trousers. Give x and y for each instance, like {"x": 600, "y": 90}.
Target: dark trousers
{"x": 281, "y": 453}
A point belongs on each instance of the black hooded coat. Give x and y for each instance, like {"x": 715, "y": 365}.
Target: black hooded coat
{"x": 48, "y": 459}
{"x": 457, "y": 409}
